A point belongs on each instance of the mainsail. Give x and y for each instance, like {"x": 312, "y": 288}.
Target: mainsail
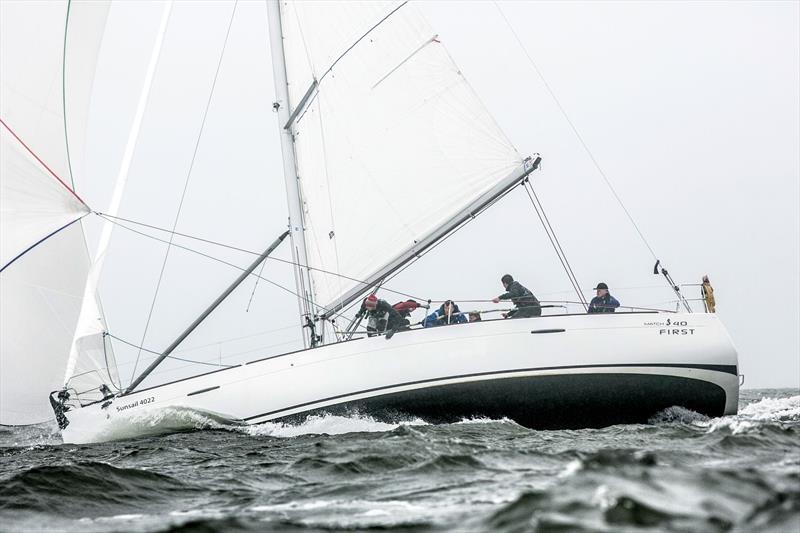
{"x": 48, "y": 52}
{"x": 391, "y": 141}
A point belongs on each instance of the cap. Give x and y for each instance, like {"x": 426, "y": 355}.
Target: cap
{"x": 371, "y": 301}
{"x": 601, "y": 286}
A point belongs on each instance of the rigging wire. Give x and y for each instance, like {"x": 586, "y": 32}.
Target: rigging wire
{"x": 551, "y": 234}
{"x": 255, "y": 286}
{"x": 243, "y": 250}
{"x": 208, "y": 256}
{"x": 186, "y": 183}
{"x": 143, "y": 349}
{"x": 575, "y": 131}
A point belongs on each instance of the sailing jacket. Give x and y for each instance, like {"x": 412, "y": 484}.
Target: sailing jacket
{"x": 708, "y": 295}
{"x": 438, "y": 318}
{"x": 405, "y": 308}
{"x": 518, "y": 294}
{"x": 383, "y": 309}
{"x": 603, "y": 304}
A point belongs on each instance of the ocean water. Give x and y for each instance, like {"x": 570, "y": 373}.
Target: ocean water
{"x": 680, "y": 472}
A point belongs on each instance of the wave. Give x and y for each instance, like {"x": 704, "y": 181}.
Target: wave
{"x": 87, "y": 489}
{"x": 43, "y": 434}
{"x": 349, "y": 515}
{"x": 626, "y": 489}
{"x": 766, "y": 412}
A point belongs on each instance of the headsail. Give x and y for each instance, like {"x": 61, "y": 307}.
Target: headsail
{"x": 392, "y": 143}
{"x": 47, "y": 61}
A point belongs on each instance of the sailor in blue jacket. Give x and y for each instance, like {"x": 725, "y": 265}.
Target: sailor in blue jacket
{"x": 448, "y": 313}
{"x": 603, "y": 302}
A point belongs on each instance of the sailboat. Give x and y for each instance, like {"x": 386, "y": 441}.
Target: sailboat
{"x": 387, "y": 151}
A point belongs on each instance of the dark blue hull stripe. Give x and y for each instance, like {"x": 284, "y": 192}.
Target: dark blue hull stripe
{"x": 727, "y": 369}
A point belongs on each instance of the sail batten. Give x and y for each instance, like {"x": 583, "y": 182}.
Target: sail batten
{"x": 392, "y": 145}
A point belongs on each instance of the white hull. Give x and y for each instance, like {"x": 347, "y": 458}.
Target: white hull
{"x": 548, "y": 372}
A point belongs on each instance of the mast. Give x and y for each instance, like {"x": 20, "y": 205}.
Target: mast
{"x": 305, "y": 293}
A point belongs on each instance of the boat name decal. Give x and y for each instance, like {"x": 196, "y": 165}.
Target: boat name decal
{"x": 680, "y": 331}
{"x": 137, "y": 403}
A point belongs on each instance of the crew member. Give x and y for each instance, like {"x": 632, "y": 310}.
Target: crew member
{"x": 708, "y": 295}
{"x": 526, "y": 303}
{"x": 448, "y": 313}
{"x": 382, "y": 317}
{"x": 603, "y": 302}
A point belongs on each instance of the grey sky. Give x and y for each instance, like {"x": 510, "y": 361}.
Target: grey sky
{"x": 690, "y": 108}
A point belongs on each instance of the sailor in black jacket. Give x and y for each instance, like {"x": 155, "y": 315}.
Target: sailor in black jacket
{"x": 381, "y": 316}
{"x": 526, "y": 303}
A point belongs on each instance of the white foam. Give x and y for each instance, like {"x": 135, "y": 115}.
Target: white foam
{"x": 145, "y": 423}
{"x": 757, "y": 414}
{"x": 572, "y": 467}
{"x": 677, "y": 414}
{"x": 327, "y": 425}
{"x": 503, "y": 420}
{"x": 776, "y": 409}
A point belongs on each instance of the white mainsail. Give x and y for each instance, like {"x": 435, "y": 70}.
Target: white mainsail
{"x": 391, "y": 143}
{"x": 48, "y": 52}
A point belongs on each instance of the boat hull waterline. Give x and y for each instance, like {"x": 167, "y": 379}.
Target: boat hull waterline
{"x": 552, "y": 372}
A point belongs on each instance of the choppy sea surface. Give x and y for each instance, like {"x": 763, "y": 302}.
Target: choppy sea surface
{"x": 680, "y": 472}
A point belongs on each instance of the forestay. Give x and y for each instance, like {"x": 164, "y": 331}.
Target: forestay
{"x": 47, "y": 61}
{"x": 391, "y": 144}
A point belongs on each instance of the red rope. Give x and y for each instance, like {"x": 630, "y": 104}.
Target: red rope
{"x": 43, "y": 163}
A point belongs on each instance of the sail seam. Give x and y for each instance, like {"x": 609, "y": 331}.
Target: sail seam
{"x": 40, "y": 241}
{"x": 395, "y": 10}
{"x": 433, "y": 39}
{"x": 64, "y": 92}
{"x": 43, "y": 164}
